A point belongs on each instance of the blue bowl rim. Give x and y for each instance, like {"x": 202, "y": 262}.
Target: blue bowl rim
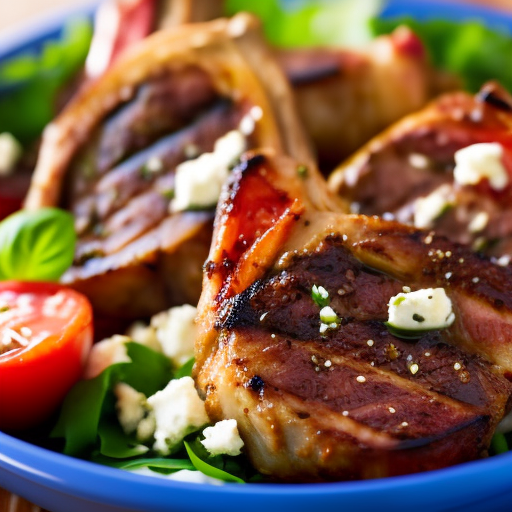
{"x": 31, "y": 462}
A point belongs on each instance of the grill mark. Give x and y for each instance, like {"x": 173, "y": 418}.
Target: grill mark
{"x": 289, "y": 369}
{"x": 122, "y": 183}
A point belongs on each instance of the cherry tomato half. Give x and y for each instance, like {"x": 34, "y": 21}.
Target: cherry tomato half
{"x": 45, "y": 336}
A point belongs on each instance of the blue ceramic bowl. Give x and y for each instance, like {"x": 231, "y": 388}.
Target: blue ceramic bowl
{"x": 64, "y": 484}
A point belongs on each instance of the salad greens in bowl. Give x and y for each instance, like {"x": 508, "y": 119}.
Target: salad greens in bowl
{"x": 68, "y": 453}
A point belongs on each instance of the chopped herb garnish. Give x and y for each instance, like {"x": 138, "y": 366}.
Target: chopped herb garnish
{"x": 320, "y": 296}
{"x": 145, "y": 173}
{"x": 153, "y": 166}
{"x": 168, "y": 194}
{"x": 302, "y": 171}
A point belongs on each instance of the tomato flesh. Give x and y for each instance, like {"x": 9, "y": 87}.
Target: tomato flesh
{"x": 45, "y": 337}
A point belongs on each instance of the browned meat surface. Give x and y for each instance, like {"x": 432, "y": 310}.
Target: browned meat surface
{"x": 166, "y": 101}
{"x": 416, "y": 157}
{"x": 346, "y": 97}
{"x": 355, "y": 401}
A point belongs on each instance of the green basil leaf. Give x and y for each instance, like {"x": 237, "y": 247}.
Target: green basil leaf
{"x": 36, "y": 245}
{"x": 208, "y": 469}
{"x": 116, "y": 444}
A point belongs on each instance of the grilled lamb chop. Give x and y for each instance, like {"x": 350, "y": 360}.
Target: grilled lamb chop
{"x": 415, "y": 160}
{"x": 354, "y": 401}
{"x": 111, "y": 157}
{"x": 345, "y": 97}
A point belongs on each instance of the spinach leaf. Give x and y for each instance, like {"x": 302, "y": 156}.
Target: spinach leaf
{"x": 87, "y": 403}
{"x": 186, "y": 369}
{"x": 208, "y": 469}
{"x": 29, "y": 84}
{"x": 81, "y": 411}
{"x": 36, "y": 245}
{"x": 116, "y": 444}
{"x": 150, "y": 371}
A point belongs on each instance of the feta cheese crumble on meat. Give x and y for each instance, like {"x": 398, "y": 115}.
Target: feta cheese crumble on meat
{"x": 479, "y": 161}
{"x": 427, "y": 209}
{"x": 421, "y": 310}
{"x": 198, "y": 182}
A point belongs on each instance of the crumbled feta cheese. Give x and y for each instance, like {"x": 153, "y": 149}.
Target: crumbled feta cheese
{"x": 480, "y": 161}
{"x": 176, "y": 332}
{"x": 503, "y": 261}
{"x": 223, "y": 438}
{"x": 178, "y": 410}
{"x": 198, "y": 182}
{"x": 10, "y": 152}
{"x": 133, "y": 412}
{"x": 145, "y": 335}
{"x": 328, "y": 315}
{"x": 429, "y": 208}
{"x": 154, "y": 165}
{"x": 130, "y": 406}
{"x": 419, "y": 161}
{"x": 423, "y": 309}
{"x": 106, "y": 352}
